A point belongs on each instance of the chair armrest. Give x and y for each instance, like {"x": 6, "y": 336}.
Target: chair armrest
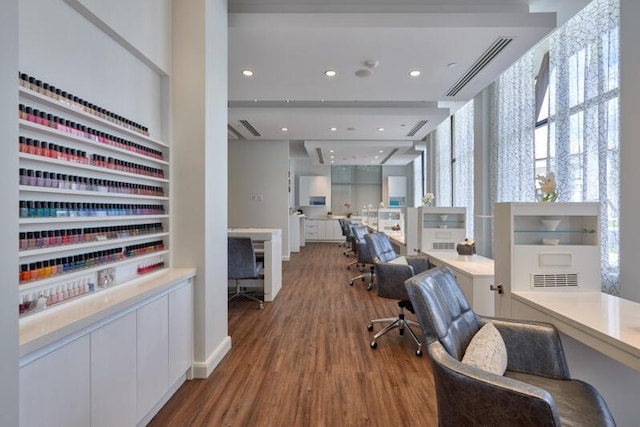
{"x": 419, "y": 263}
{"x": 468, "y": 396}
{"x": 532, "y": 347}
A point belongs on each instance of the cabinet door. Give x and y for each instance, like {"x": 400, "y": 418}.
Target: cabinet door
{"x": 336, "y": 231}
{"x": 152, "y": 354}
{"x": 318, "y": 186}
{"x": 180, "y": 332}
{"x": 113, "y": 373}
{"x": 55, "y": 389}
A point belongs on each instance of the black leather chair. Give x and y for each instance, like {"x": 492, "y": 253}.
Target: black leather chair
{"x": 536, "y": 389}
{"x": 364, "y": 256}
{"x": 345, "y": 227}
{"x": 242, "y": 265}
{"x": 390, "y": 278}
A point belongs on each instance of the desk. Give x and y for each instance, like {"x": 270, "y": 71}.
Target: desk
{"x": 474, "y": 273}
{"x": 271, "y": 238}
{"x": 601, "y": 338}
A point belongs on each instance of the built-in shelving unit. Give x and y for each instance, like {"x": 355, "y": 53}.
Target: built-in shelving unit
{"x": 94, "y": 200}
{"x": 442, "y": 228}
{"x": 546, "y": 247}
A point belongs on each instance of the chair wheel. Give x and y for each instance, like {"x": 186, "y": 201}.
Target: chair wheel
{"x": 374, "y": 344}
{"x": 419, "y": 353}
{"x": 261, "y": 306}
{"x": 363, "y": 279}
{"x": 348, "y": 268}
{"x": 401, "y": 331}
{"x": 369, "y": 287}
{"x": 351, "y": 283}
{"x": 370, "y": 327}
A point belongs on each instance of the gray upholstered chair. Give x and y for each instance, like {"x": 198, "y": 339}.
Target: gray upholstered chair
{"x": 364, "y": 257}
{"x": 242, "y": 265}
{"x": 390, "y": 278}
{"x": 536, "y": 389}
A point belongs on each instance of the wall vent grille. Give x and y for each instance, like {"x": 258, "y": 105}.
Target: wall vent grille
{"x": 443, "y": 246}
{"x": 250, "y": 127}
{"x": 563, "y": 280}
{"x": 498, "y": 46}
{"x": 320, "y": 156}
{"x": 417, "y": 127}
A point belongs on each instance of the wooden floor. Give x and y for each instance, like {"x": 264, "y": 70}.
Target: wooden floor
{"x": 305, "y": 359}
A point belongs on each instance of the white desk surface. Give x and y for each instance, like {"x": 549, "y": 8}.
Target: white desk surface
{"x": 254, "y": 231}
{"x": 474, "y": 265}
{"x": 396, "y": 236}
{"x": 610, "y": 320}
{"x": 41, "y": 329}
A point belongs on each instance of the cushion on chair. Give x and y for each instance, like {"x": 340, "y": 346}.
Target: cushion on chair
{"x": 400, "y": 260}
{"x": 487, "y": 351}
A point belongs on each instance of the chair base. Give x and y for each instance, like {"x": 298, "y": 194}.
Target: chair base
{"x": 248, "y": 295}
{"x": 395, "y": 322}
{"x": 368, "y": 276}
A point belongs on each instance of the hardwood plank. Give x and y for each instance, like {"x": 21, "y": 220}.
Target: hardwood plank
{"x": 305, "y": 359}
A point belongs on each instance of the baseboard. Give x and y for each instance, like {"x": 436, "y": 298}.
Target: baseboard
{"x": 152, "y": 413}
{"x": 204, "y": 369}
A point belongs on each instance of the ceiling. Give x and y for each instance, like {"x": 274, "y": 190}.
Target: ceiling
{"x": 372, "y": 103}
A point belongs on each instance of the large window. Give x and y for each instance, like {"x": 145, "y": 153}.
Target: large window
{"x": 463, "y": 168}
{"x": 577, "y": 128}
{"x": 443, "y": 187}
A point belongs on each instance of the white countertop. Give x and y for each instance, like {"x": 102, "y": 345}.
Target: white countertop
{"x": 55, "y": 323}
{"x": 254, "y": 231}
{"x": 396, "y": 236}
{"x": 475, "y": 265}
{"x": 607, "y": 323}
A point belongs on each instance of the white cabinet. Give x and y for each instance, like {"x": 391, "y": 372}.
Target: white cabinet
{"x": 442, "y": 228}
{"x": 55, "y": 389}
{"x": 322, "y": 230}
{"x": 314, "y": 191}
{"x": 546, "y": 247}
{"x": 397, "y": 191}
{"x": 180, "y": 332}
{"x": 153, "y": 354}
{"x": 113, "y": 367}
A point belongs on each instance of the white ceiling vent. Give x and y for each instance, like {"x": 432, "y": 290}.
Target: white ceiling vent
{"x": 233, "y": 133}
{"x": 564, "y": 280}
{"x": 417, "y": 127}
{"x": 320, "y": 156}
{"x": 249, "y": 127}
{"x": 391, "y": 154}
{"x": 488, "y": 55}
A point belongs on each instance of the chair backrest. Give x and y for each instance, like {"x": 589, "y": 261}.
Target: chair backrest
{"x": 442, "y": 309}
{"x": 380, "y": 247}
{"x": 241, "y": 258}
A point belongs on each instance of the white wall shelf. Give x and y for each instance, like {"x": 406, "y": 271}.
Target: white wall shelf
{"x": 51, "y": 220}
{"x": 35, "y": 96}
{"x": 94, "y": 244}
{"x": 45, "y": 130}
{"x": 35, "y": 189}
{"x": 92, "y": 168}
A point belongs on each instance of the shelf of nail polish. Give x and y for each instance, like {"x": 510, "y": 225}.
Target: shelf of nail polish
{"x": 60, "y": 181}
{"x": 31, "y": 242}
{"x": 50, "y": 209}
{"x": 34, "y": 302}
{"x": 34, "y": 115}
{"x": 33, "y": 126}
{"x": 150, "y": 265}
{"x": 88, "y": 167}
{"x": 51, "y": 220}
{"x": 56, "y": 97}
{"x": 39, "y": 270}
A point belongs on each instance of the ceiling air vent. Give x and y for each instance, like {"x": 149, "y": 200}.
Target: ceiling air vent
{"x": 320, "y": 157}
{"x": 233, "y": 134}
{"x": 488, "y": 55}
{"x": 417, "y": 127}
{"x": 391, "y": 154}
{"x": 568, "y": 280}
{"x": 250, "y": 127}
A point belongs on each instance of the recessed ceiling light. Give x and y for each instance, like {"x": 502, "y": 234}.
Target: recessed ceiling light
{"x": 376, "y": 157}
{"x": 332, "y": 157}
{"x": 381, "y": 151}
{"x": 330, "y": 73}
{"x": 332, "y": 151}
{"x": 333, "y": 161}
{"x": 333, "y": 129}
{"x": 451, "y": 65}
{"x": 380, "y": 129}
{"x": 414, "y": 73}
{"x": 285, "y": 129}
{"x": 247, "y": 73}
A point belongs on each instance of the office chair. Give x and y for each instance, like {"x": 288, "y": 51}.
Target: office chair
{"x": 242, "y": 265}
{"x": 527, "y": 383}
{"x": 348, "y": 233}
{"x": 391, "y": 275}
{"x": 364, "y": 256}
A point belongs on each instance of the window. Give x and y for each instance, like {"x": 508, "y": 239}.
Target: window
{"x": 463, "y": 168}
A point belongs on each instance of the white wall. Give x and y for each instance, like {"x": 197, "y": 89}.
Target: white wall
{"x": 8, "y": 217}
{"x": 60, "y": 46}
{"x": 258, "y": 186}
{"x": 141, "y": 24}
{"x": 199, "y": 168}
{"x": 629, "y": 149}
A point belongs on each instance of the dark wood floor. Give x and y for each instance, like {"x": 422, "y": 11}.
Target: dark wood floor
{"x": 305, "y": 359}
